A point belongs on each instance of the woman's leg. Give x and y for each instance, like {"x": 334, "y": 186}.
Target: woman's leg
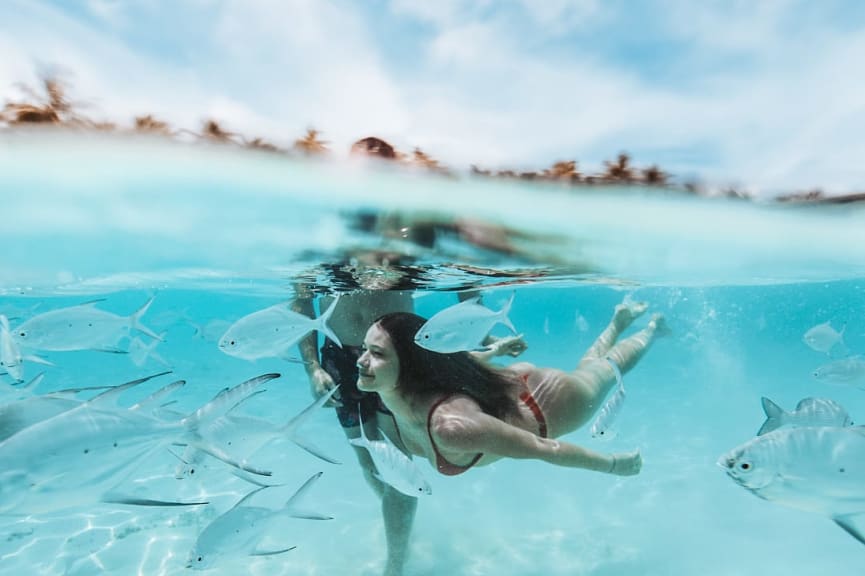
{"x": 623, "y": 315}
{"x": 570, "y": 401}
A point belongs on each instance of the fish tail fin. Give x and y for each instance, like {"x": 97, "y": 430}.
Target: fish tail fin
{"x": 774, "y": 416}
{"x": 291, "y": 509}
{"x": 220, "y": 405}
{"x": 321, "y": 322}
{"x": 503, "y": 313}
{"x": 135, "y": 320}
{"x": 290, "y": 428}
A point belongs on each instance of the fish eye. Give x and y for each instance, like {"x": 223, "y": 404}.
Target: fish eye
{"x": 744, "y": 466}
{"x": 22, "y": 334}
{"x": 199, "y": 558}
{"x": 426, "y": 336}
{"x": 231, "y": 343}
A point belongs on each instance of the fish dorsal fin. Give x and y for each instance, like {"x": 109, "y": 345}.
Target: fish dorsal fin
{"x": 300, "y": 492}
{"x": 110, "y": 396}
{"x": 307, "y": 412}
{"x": 846, "y": 524}
{"x": 802, "y": 403}
{"x": 386, "y": 439}
{"x": 31, "y": 386}
{"x": 290, "y": 428}
{"x": 151, "y": 402}
{"x": 226, "y": 400}
{"x": 249, "y": 495}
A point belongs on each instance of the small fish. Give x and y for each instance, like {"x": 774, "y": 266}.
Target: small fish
{"x": 842, "y": 371}
{"x": 81, "y": 327}
{"x": 393, "y": 466}
{"x": 462, "y": 327}
{"x": 601, "y": 427}
{"x": 823, "y": 338}
{"x": 816, "y": 469}
{"x": 271, "y": 332}
{"x": 808, "y": 412}
{"x": 242, "y": 527}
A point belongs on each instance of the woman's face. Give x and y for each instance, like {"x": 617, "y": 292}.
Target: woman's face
{"x": 378, "y": 366}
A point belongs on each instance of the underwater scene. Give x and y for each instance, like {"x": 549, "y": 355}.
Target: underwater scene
{"x": 162, "y": 408}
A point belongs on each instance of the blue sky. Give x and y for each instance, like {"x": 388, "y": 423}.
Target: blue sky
{"x": 768, "y": 94}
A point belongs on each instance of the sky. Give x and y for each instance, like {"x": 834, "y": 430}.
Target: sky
{"x": 767, "y": 95}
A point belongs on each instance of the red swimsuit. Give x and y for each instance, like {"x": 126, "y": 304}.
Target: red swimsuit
{"x": 451, "y": 469}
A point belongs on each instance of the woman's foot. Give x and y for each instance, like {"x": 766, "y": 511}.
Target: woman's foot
{"x": 628, "y": 311}
{"x": 658, "y": 325}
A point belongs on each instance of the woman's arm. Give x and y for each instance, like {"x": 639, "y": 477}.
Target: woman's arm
{"x": 476, "y": 431}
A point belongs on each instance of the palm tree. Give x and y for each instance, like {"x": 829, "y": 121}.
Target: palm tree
{"x": 260, "y": 144}
{"x": 52, "y": 107}
{"x": 151, "y": 125}
{"x": 654, "y": 176}
{"x": 421, "y": 158}
{"x": 211, "y": 130}
{"x": 563, "y": 170}
{"x": 620, "y": 170}
{"x": 310, "y": 144}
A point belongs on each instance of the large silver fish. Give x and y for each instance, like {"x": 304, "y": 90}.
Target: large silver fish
{"x": 80, "y": 455}
{"x": 462, "y": 327}
{"x": 272, "y": 332}
{"x": 81, "y": 327}
{"x": 817, "y": 469}
{"x": 246, "y": 434}
{"x": 241, "y": 529}
{"x": 808, "y": 412}
{"x": 393, "y": 466}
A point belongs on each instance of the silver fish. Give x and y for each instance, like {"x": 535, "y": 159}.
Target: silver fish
{"x": 611, "y": 408}
{"x": 79, "y": 455}
{"x": 393, "y": 466}
{"x": 462, "y": 327}
{"x": 242, "y": 527}
{"x": 11, "y": 358}
{"x": 271, "y": 332}
{"x": 808, "y": 412}
{"x": 247, "y": 435}
{"x": 823, "y": 337}
{"x": 81, "y": 327}
{"x": 844, "y": 370}
{"x": 816, "y": 469}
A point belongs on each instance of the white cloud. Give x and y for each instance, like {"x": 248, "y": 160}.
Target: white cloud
{"x": 772, "y": 109}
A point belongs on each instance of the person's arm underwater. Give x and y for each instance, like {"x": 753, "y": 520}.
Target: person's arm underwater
{"x": 477, "y": 431}
{"x": 319, "y": 380}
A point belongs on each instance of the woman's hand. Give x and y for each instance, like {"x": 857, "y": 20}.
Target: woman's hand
{"x": 626, "y": 463}
{"x": 508, "y": 346}
{"x": 321, "y": 383}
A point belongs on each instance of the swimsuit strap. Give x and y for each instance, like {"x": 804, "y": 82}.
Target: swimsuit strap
{"x": 442, "y": 464}
{"x": 532, "y": 404}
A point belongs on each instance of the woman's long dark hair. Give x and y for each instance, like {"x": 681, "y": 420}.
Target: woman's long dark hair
{"x": 421, "y": 370}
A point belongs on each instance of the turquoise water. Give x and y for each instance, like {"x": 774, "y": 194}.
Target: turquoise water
{"x": 214, "y": 234}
